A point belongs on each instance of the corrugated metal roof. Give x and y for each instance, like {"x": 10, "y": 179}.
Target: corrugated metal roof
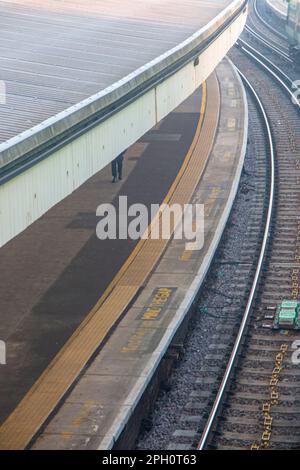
{"x": 55, "y": 53}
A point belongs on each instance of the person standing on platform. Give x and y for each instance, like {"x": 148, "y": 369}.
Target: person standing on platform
{"x": 117, "y": 167}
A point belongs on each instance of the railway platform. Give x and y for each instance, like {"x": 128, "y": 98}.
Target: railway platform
{"x": 44, "y": 294}
{"x": 96, "y": 363}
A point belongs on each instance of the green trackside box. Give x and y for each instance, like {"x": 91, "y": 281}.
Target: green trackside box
{"x": 288, "y": 315}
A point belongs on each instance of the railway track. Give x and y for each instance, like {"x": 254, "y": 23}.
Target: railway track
{"x": 261, "y": 36}
{"x": 276, "y": 59}
{"x": 265, "y": 29}
{"x": 236, "y": 351}
{"x": 282, "y": 52}
{"x": 260, "y": 409}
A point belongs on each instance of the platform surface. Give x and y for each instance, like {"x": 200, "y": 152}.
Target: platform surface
{"x": 57, "y": 269}
{"x": 107, "y": 394}
{"x": 54, "y": 54}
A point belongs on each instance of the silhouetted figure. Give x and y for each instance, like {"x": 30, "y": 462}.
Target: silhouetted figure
{"x": 117, "y": 167}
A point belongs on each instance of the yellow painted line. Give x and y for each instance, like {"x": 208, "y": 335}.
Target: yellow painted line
{"x": 186, "y": 255}
{"x": 37, "y": 405}
{"x": 228, "y": 155}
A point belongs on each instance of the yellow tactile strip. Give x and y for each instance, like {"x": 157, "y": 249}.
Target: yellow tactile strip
{"x": 21, "y": 426}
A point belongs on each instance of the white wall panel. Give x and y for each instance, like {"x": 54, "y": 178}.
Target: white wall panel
{"x": 81, "y": 161}
{"x": 175, "y": 90}
{"x": 120, "y": 131}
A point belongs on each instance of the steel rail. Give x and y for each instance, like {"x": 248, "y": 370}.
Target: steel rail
{"x": 238, "y": 342}
{"x": 265, "y": 22}
{"x": 268, "y": 44}
{"x": 271, "y": 72}
{"x": 247, "y": 48}
{"x": 234, "y": 355}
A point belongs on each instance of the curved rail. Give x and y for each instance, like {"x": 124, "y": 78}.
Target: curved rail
{"x": 261, "y": 61}
{"x": 238, "y": 343}
{"x": 282, "y": 36}
{"x": 268, "y": 44}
